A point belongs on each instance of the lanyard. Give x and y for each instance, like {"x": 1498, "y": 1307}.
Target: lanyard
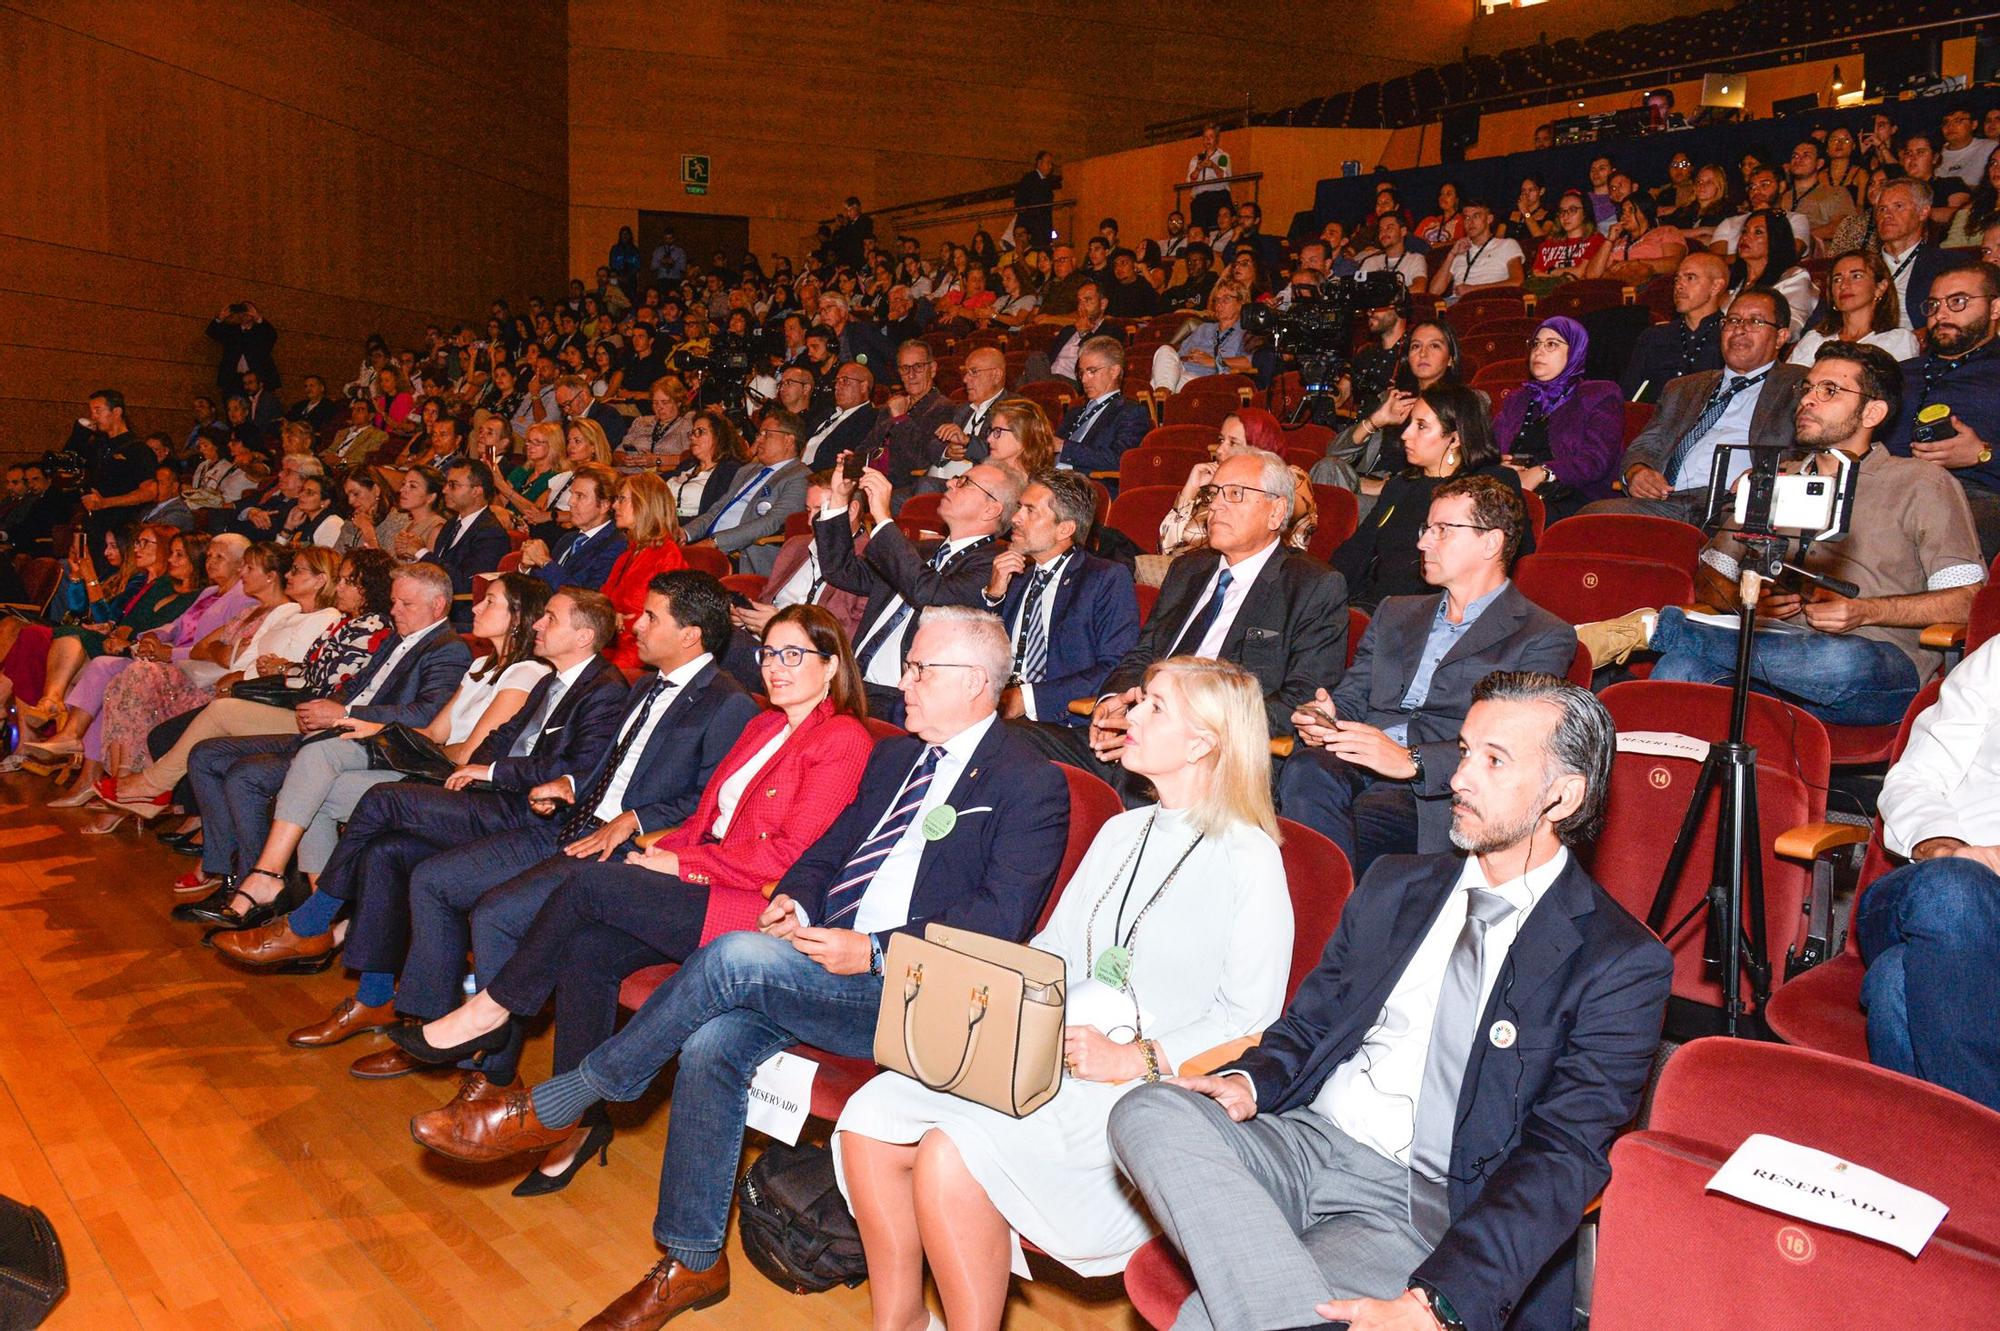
{"x": 1466, "y": 276}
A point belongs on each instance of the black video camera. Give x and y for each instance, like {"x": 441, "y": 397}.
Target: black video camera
{"x": 1317, "y": 330}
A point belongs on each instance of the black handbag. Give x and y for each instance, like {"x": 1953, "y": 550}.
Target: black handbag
{"x": 33, "y": 1276}
{"x": 795, "y": 1224}
{"x": 272, "y": 691}
{"x": 397, "y": 748}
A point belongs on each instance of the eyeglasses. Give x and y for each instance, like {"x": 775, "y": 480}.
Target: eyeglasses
{"x": 1236, "y": 494}
{"x": 1824, "y": 390}
{"x": 1745, "y": 321}
{"x": 1955, "y": 302}
{"x": 1437, "y": 528}
{"x": 791, "y": 657}
{"x": 921, "y": 670}
{"x": 1547, "y": 344}
{"x": 965, "y": 479}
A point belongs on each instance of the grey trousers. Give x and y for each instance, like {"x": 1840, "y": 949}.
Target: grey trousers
{"x": 325, "y": 782}
{"x": 1682, "y": 506}
{"x": 1274, "y": 1216}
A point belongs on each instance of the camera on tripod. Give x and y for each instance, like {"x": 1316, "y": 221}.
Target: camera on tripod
{"x": 727, "y": 368}
{"x": 1316, "y": 332}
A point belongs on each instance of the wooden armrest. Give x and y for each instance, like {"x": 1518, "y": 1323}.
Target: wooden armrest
{"x": 1102, "y": 475}
{"x": 1082, "y": 706}
{"x": 1943, "y": 637}
{"x": 778, "y": 539}
{"x": 1812, "y": 840}
{"x": 648, "y": 840}
{"x": 1208, "y": 1060}
{"x": 770, "y": 888}
{"x": 1282, "y": 746}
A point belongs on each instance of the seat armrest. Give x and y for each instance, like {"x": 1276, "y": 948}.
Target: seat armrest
{"x": 1812, "y": 840}
{"x": 1943, "y": 637}
{"x": 1282, "y": 746}
{"x": 1082, "y": 706}
{"x": 648, "y": 840}
{"x": 1208, "y": 1060}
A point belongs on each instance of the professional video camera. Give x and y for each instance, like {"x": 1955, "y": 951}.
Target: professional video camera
{"x": 1317, "y": 331}
{"x": 725, "y": 371}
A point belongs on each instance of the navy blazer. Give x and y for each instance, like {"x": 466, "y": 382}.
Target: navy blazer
{"x": 994, "y": 869}
{"x": 1585, "y": 986}
{"x": 702, "y": 720}
{"x": 588, "y": 561}
{"x": 478, "y": 550}
{"x": 851, "y": 435}
{"x": 1512, "y": 634}
{"x": 422, "y": 684}
{"x": 1117, "y": 428}
{"x": 1096, "y": 622}
{"x": 613, "y": 422}
{"x": 576, "y": 735}
{"x": 893, "y": 567}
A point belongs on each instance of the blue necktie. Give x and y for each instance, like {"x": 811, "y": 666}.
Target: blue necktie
{"x": 1204, "y": 620}
{"x": 894, "y": 619}
{"x": 1031, "y": 656}
{"x": 843, "y": 899}
{"x": 740, "y": 496}
{"x": 1717, "y": 405}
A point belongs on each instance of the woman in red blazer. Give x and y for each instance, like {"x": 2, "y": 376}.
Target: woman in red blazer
{"x": 796, "y": 766}
{"x": 644, "y": 515}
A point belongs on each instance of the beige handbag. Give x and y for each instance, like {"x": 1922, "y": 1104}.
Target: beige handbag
{"x": 973, "y": 1016}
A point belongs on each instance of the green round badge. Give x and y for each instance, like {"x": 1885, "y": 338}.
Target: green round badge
{"x": 939, "y": 822}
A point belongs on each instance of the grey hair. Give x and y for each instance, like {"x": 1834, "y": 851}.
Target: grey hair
{"x": 1920, "y": 191}
{"x": 836, "y": 298}
{"x": 1276, "y": 479}
{"x": 431, "y": 577}
{"x": 1074, "y": 499}
{"x": 984, "y": 638}
{"x": 1583, "y": 743}
{"x": 1103, "y": 345}
{"x": 1014, "y": 481}
{"x": 235, "y": 543}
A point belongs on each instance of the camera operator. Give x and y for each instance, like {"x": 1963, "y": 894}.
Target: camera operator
{"x": 1910, "y": 551}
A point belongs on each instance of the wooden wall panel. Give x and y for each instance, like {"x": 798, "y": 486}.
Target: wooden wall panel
{"x": 349, "y": 165}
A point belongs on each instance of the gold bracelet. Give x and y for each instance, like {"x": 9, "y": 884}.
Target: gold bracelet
{"x": 1152, "y": 1057}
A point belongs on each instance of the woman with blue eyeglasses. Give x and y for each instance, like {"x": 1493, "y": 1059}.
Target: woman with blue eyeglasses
{"x": 796, "y": 766}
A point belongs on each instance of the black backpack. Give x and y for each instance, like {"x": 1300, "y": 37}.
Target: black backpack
{"x": 796, "y": 1227}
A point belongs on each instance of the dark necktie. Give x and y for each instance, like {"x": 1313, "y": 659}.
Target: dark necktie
{"x": 585, "y": 811}
{"x": 894, "y": 619}
{"x": 1718, "y": 403}
{"x": 843, "y": 899}
{"x": 1031, "y": 653}
{"x": 1452, "y": 1033}
{"x": 1204, "y": 620}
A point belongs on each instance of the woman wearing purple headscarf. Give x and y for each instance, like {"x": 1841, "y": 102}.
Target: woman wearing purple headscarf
{"x": 1562, "y": 433}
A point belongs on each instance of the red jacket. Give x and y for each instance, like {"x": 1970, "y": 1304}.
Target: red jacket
{"x": 626, "y": 586}
{"x": 785, "y": 808}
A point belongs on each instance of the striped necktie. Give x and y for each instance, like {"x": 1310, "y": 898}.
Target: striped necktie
{"x": 1718, "y": 403}
{"x": 843, "y": 899}
{"x": 584, "y": 811}
{"x": 1032, "y": 655}
{"x": 892, "y": 621}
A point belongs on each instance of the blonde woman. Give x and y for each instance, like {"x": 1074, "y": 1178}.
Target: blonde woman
{"x": 1176, "y": 935}
{"x": 644, "y": 515}
{"x": 525, "y": 488}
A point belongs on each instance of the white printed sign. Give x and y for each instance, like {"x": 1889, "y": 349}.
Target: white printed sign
{"x": 1799, "y": 1181}
{"x": 1662, "y": 744}
{"x": 781, "y": 1096}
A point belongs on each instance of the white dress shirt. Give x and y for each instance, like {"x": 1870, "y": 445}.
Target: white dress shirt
{"x": 1242, "y": 575}
{"x": 885, "y": 903}
{"x": 1015, "y": 634}
{"x": 613, "y": 802}
{"x": 531, "y": 734}
{"x": 886, "y": 667}
{"x": 1900, "y": 264}
{"x": 799, "y": 587}
{"x": 1947, "y": 783}
{"x": 731, "y": 794}
{"x": 1372, "y": 1097}
{"x": 403, "y": 647}
{"x": 832, "y": 424}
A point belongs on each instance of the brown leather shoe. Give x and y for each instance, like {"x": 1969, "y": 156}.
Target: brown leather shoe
{"x": 489, "y": 1129}
{"x": 667, "y": 1291}
{"x": 348, "y": 1020}
{"x": 273, "y": 944}
{"x": 382, "y": 1065}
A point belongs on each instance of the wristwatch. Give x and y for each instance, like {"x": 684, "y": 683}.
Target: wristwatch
{"x": 1416, "y": 761}
{"x": 1446, "y": 1315}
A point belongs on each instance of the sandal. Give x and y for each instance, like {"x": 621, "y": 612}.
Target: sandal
{"x": 258, "y": 913}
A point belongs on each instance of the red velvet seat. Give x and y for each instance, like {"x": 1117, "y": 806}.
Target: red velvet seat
{"x": 1629, "y": 536}
{"x": 1585, "y": 588}
{"x": 1138, "y": 510}
{"x": 1339, "y": 514}
{"x": 1159, "y": 464}
{"x": 707, "y": 559}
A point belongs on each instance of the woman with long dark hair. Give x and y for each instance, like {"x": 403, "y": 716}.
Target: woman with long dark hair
{"x": 1371, "y": 449}
{"x": 1767, "y": 255}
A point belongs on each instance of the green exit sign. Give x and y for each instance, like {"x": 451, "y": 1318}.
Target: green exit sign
{"x": 694, "y": 173}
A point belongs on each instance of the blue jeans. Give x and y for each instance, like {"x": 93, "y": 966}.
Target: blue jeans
{"x": 1930, "y": 933}
{"x": 1840, "y": 678}
{"x": 735, "y": 1003}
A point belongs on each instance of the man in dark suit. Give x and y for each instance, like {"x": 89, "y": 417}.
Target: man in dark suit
{"x": 1415, "y": 1141}
{"x": 236, "y": 778}
{"x": 1374, "y": 773}
{"x": 1666, "y": 469}
{"x": 267, "y": 412}
{"x": 1244, "y": 598}
{"x": 892, "y": 863}
{"x": 1095, "y": 434}
{"x": 566, "y": 724}
{"x": 472, "y": 539}
{"x": 575, "y": 402}
{"x": 1070, "y": 615}
{"x": 898, "y": 578}
{"x": 246, "y": 342}
{"x": 961, "y": 441}
{"x": 1902, "y": 221}
{"x": 846, "y": 424}
{"x": 1035, "y": 200}
{"x": 316, "y": 411}
{"x": 906, "y": 430}
{"x": 583, "y": 555}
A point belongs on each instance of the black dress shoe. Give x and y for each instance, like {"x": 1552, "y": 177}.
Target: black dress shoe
{"x": 410, "y": 1039}
{"x": 209, "y": 909}
{"x": 597, "y": 1143}
{"x": 192, "y": 849}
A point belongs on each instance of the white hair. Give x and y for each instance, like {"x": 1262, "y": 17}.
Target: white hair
{"x": 983, "y": 637}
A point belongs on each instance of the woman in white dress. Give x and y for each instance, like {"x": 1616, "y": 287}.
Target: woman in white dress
{"x": 1176, "y": 936}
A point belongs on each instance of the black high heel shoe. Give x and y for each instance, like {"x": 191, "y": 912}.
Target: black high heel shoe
{"x": 410, "y": 1039}
{"x": 597, "y": 1142}
{"x": 258, "y": 913}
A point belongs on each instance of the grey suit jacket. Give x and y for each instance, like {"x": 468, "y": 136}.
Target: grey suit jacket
{"x": 1681, "y": 406}
{"x": 1513, "y": 634}
{"x": 762, "y": 511}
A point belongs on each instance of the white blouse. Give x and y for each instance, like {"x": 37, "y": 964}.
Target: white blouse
{"x": 476, "y": 694}
{"x": 732, "y": 790}
{"x": 288, "y": 632}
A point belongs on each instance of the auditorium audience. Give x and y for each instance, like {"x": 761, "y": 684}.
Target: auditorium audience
{"x": 1859, "y": 304}
{"x": 707, "y": 472}
{"x": 1951, "y": 399}
{"x": 1219, "y": 345}
{"x": 1560, "y": 432}
{"x": 766, "y": 490}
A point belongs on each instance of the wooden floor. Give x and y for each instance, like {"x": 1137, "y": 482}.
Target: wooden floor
{"x": 202, "y": 1174}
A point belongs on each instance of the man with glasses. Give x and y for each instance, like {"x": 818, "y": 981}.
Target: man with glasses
{"x": 769, "y": 489}
{"x": 1666, "y": 469}
{"x": 574, "y": 400}
{"x": 1374, "y": 772}
{"x": 961, "y": 441}
{"x": 1910, "y": 550}
{"x": 854, "y": 340}
{"x": 1953, "y": 396}
{"x": 958, "y": 823}
{"x": 795, "y": 387}
{"x": 847, "y": 422}
{"x": 1094, "y": 435}
{"x": 901, "y": 579}
{"x": 1242, "y": 597}
{"x": 906, "y": 430}
{"x": 1219, "y": 346}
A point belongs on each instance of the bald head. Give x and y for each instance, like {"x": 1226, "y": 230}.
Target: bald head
{"x": 985, "y": 373}
{"x": 1700, "y": 283}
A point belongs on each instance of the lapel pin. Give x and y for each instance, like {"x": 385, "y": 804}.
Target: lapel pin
{"x": 1502, "y": 1034}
